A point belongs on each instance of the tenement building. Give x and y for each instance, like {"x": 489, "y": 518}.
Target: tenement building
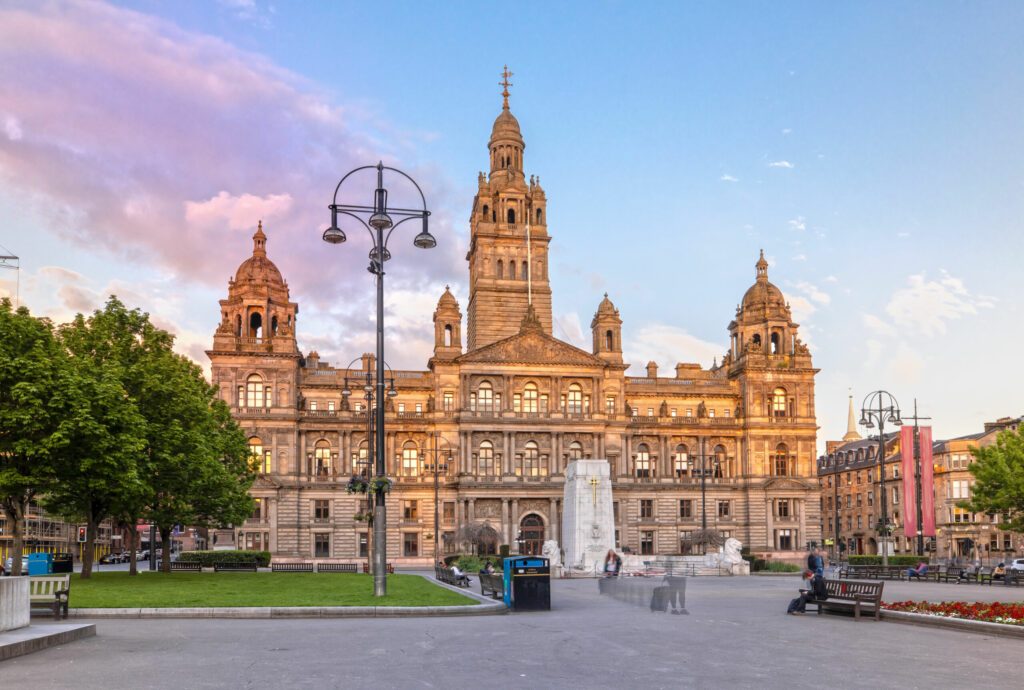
{"x": 501, "y": 411}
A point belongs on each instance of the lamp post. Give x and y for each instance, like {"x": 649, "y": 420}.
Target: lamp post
{"x": 437, "y": 468}
{"x": 378, "y": 219}
{"x": 703, "y": 484}
{"x": 878, "y": 408}
{"x": 368, "y": 395}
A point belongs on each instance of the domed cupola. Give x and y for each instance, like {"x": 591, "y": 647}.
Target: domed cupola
{"x": 606, "y": 327}
{"x": 763, "y": 295}
{"x": 258, "y": 269}
{"x": 764, "y": 323}
{"x": 506, "y": 144}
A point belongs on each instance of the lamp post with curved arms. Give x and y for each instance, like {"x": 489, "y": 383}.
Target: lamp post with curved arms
{"x": 878, "y": 408}
{"x": 379, "y": 219}
{"x": 442, "y": 459}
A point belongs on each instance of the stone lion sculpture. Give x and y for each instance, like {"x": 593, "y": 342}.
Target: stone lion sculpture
{"x": 731, "y": 552}
{"x": 551, "y": 552}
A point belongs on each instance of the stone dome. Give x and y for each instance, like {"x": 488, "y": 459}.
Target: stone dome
{"x": 762, "y": 293}
{"x": 447, "y": 300}
{"x": 258, "y": 268}
{"x": 606, "y": 306}
{"x": 506, "y": 126}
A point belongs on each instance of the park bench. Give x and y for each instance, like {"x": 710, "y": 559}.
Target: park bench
{"x": 953, "y": 574}
{"x": 291, "y": 567}
{"x": 337, "y": 567}
{"x": 852, "y": 595}
{"x": 494, "y": 582}
{"x": 447, "y": 575}
{"x": 985, "y": 576}
{"x": 237, "y": 567}
{"x": 192, "y": 566}
{"x": 391, "y": 568}
{"x": 50, "y": 591}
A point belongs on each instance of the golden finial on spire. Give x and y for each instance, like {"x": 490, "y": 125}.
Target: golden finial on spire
{"x": 505, "y": 83}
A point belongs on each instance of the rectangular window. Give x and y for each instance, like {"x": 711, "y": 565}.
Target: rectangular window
{"x": 615, "y": 511}
{"x": 419, "y": 408}
{"x": 686, "y": 508}
{"x": 672, "y": 412}
{"x": 448, "y": 401}
{"x": 241, "y": 396}
{"x": 848, "y": 500}
{"x": 411, "y": 544}
{"x": 782, "y": 507}
{"x": 860, "y": 499}
{"x": 609, "y": 404}
{"x": 860, "y": 522}
{"x": 410, "y": 510}
{"x": 961, "y": 489}
{"x": 711, "y": 412}
{"x": 321, "y": 510}
{"x": 517, "y": 402}
{"x": 330, "y": 406}
{"x": 401, "y": 408}
{"x": 684, "y": 542}
{"x": 322, "y": 545}
{"x": 725, "y": 412}
{"x": 646, "y": 508}
{"x": 364, "y": 545}
{"x": 895, "y": 496}
{"x": 636, "y": 411}
{"x": 723, "y": 509}
{"x": 448, "y": 511}
{"x": 257, "y": 509}
{"x": 689, "y": 411}
{"x": 647, "y": 543}
{"x": 785, "y": 539}
{"x": 312, "y": 405}
{"x": 871, "y": 498}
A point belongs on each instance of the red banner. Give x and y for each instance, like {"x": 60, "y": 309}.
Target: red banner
{"x": 927, "y": 482}
{"x": 909, "y": 493}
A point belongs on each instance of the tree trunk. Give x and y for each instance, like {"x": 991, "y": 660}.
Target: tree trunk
{"x": 13, "y": 513}
{"x": 133, "y": 568}
{"x": 165, "y": 543}
{"x": 88, "y": 549}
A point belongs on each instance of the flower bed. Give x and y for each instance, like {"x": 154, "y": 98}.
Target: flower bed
{"x": 990, "y": 612}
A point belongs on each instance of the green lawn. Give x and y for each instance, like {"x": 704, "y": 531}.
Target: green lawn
{"x": 169, "y": 590}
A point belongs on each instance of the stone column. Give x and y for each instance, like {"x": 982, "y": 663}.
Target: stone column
{"x": 553, "y": 519}
{"x": 512, "y": 452}
{"x": 506, "y": 463}
{"x": 514, "y": 525}
{"x": 506, "y": 526}
{"x": 803, "y": 524}
{"x": 770, "y": 523}
{"x": 472, "y": 509}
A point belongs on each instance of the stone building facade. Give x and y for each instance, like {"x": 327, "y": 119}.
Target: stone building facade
{"x": 515, "y": 405}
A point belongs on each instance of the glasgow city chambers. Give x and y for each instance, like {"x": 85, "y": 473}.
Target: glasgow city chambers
{"x": 482, "y": 436}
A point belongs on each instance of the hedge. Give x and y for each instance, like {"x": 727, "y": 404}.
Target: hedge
{"x": 208, "y": 558}
{"x": 893, "y": 560}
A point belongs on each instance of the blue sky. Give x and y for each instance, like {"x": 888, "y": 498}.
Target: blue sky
{"x": 874, "y": 150}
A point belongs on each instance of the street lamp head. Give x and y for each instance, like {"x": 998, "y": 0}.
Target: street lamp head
{"x": 368, "y": 388}
{"x": 380, "y": 221}
{"x": 425, "y": 240}
{"x": 375, "y": 252}
{"x": 334, "y": 235}
{"x": 346, "y": 391}
{"x": 392, "y": 393}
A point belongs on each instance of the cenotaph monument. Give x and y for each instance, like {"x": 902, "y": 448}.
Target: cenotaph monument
{"x": 588, "y": 523}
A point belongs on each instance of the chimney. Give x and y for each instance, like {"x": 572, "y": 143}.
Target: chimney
{"x": 652, "y": 370}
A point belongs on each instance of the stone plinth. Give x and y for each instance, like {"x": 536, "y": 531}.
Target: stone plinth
{"x": 588, "y": 523}
{"x": 14, "y": 606}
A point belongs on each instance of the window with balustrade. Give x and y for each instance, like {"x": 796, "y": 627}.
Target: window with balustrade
{"x": 322, "y": 459}
{"x": 256, "y": 393}
{"x": 530, "y": 397}
{"x": 574, "y": 399}
{"x": 720, "y": 460}
{"x": 779, "y": 402}
{"x": 781, "y": 461}
{"x": 485, "y": 459}
{"x": 485, "y": 397}
{"x": 642, "y": 461}
{"x": 259, "y": 457}
{"x": 782, "y": 507}
{"x": 531, "y": 460}
{"x": 681, "y": 461}
{"x": 410, "y": 459}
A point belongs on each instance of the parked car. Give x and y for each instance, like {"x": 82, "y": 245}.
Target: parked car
{"x": 9, "y": 564}
{"x": 114, "y": 558}
{"x": 142, "y": 554}
{"x": 1017, "y": 565}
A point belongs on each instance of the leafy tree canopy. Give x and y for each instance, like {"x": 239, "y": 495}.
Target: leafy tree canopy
{"x": 998, "y": 472}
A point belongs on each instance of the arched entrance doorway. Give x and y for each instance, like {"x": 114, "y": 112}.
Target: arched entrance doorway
{"x": 531, "y": 535}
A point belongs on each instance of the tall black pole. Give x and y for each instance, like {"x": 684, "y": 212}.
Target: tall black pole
{"x": 881, "y": 475}
{"x": 835, "y": 488}
{"x": 436, "y": 519}
{"x": 380, "y": 586}
{"x": 917, "y": 483}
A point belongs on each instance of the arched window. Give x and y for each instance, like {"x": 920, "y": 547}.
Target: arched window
{"x": 681, "y": 461}
{"x": 575, "y": 450}
{"x": 526, "y": 270}
{"x": 540, "y": 216}
{"x": 273, "y": 324}
{"x": 642, "y": 462}
{"x": 254, "y": 391}
{"x": 487, "y": 211}
{"x": 485, "y": 397}
{"x": 255, "y": 325}
{"x": 259, "y": 456}
{"x": 779, "y": 402}
{"x": 410, "y": 459}
{"x": 530, "y": 398}
{"x": 609, "y": 340}
{"x": 757, "y": 338}
{"x": 775, "y": 343}
{"x": 501, "y": 269}
{"x": 781, "y": 464}
{"x": 322, "y": 459}
{"x": 511, "y": 216}
{"x": 494, "y": 216}
{"x": 238, "y": 326}
{"x": 574, "y": 401}
{"x": 511, "y": 270}
{"x": 720, "y": 460}
{"x": 531, "y": 460}
{"x": 360, "y": 460}
{"x": 448, "y": 335}
{"x": 485, "y": 459}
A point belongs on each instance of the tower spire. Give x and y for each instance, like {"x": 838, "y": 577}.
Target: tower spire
{"x": 851, "y": 425}
{"x": 505, "y": 83}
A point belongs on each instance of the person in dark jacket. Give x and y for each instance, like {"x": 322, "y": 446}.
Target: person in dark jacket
{"x": 816, "y": 592}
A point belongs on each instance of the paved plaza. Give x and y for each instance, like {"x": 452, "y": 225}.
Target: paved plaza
{"x": 736, "y": 635}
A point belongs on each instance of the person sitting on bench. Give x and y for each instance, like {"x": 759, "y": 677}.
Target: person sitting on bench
{"x": 460, "y": 577}
{"x": 816, "y": 592}
{"x": 920, "y": 571}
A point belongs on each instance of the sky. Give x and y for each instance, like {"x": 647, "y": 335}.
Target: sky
{"x": 873, "y": 150}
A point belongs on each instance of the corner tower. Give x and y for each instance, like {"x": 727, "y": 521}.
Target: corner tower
{"x": 508, "y": 251}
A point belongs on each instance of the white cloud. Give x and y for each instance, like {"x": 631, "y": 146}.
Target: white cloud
{"x": 236, "y": 212}
{"x": 927, "y": 305}
{"x": 877, "y": 325}
{"x": 902, "y": 234}
{"x": 668, "y": 345}
{"x": 781, "y": 164}
{"x": 728, "y": 178}
{"x": 800, "y": 257}
{"x": 801, "y": 307}
{"x": 831, "y": 279}
{"x": 569, "y": 328}
{"x": 12, "y": 128}
{"x": 812, "y": 291}
{"x": 798, "y": 223}
{"x": 787, "y": 130}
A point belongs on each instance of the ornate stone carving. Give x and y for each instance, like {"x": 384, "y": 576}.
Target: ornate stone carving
{"x": 534, "y": 505}
{"x": 487, "y": 508}
{"x": 532, "y": 346}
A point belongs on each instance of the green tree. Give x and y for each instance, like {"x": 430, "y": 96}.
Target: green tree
{"x": 102, "y": 437}
{"x": 31, "y": 366}
{"x": 998, "y": 472}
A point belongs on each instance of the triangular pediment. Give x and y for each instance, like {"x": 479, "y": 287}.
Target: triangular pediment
{"x": 531, "y": 347}
{"x": 786, "y": 483}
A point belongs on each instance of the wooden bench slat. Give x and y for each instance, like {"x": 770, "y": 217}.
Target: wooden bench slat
{"x": 337, "y": 567}
{"x": 852, "y": 595}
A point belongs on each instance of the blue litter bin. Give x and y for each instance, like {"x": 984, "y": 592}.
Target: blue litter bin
{"x": 40, "y": 564}
{"x": 527, "y": 583}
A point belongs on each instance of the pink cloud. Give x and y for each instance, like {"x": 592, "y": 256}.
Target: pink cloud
{"x": 165, "y": 147}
